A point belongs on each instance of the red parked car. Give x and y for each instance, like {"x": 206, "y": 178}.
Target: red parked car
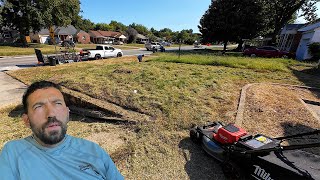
{"x": 267, "y": 51}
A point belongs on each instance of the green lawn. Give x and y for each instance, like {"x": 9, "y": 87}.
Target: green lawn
{"x": 176, "y": 92}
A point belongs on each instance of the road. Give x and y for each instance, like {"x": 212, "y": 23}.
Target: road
{"x": 17, "y": 62}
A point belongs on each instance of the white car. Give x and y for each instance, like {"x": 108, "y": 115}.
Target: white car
{"x": 150, "y": 46}
{"x": 102, "y": 51}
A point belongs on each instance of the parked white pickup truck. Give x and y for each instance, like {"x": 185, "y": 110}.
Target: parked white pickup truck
{"x": 150, "y": 46}
{"x": 101, "y": 51}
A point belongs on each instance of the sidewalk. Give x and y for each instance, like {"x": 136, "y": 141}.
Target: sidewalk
{"x": 11, "y": 90}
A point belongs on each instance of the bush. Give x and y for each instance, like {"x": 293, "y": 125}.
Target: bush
{"x": 314, "y": 50}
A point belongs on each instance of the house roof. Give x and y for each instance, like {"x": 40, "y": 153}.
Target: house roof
{"x": 44, "y": 31}
{"x": 140, "y": 36}
{"x": 293, "y": 26}
{"x": 95, "y": 34}
{"x": 121, "y": 36}
{"x": 68, "y": 30}
{"x": 310, "y": 27}
{"x": 109, "y": 33}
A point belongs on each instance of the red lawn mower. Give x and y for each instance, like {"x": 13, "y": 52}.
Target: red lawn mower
{"x": 245, "y": 156}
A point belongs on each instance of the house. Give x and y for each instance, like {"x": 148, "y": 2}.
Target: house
{"x": 290, "y": 37}
{"x": 82, "y": 37}
{"x": 65, "y": 33}
{"x": 141, "y": 39}
{"x": 309, "y": 34}
{"x": 96, "y": 37}
{"x": 60, "y": 33}
{"x": 43, "y": 36}
{"x": 106, "y": 37}
{"x": 8, "y": 35}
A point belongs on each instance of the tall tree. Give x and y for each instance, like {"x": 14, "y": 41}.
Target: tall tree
{"x": 83, "y": 24}
{"x": 32, "y": 15}
{"x": 141, "y": 29}
{"x": 132, "y": 34}
{"x": 279, "y": 12}
{"x": 231, "y": 20}
{"x": 117, "y": 26}
{"x": 102, "y": 27}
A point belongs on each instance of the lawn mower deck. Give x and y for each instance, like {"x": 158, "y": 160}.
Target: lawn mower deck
{"x": 258, "y": 156}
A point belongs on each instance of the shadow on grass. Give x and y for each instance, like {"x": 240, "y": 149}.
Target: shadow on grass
{"x": 292, "y": 129}
{"x": 18, "y": 111}
{"x": 309, "y": 76}
{"x": 199, "y": 164}
{"x": 206, "y": 52}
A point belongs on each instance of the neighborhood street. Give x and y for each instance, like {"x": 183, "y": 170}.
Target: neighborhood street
{"x": 11, "y": 63}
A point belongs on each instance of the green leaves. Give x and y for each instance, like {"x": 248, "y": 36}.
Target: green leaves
{"x": 30, "y": 15}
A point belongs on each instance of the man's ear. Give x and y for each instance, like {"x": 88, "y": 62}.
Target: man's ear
{"x": 68, "y": 114}
{"x": 26, "y": 120}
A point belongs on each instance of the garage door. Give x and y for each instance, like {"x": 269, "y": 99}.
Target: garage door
{"x": 44, "y": 39}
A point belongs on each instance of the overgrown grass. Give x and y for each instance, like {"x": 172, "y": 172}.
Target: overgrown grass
{"x": 258, "y": 64}
{"x": 177, "y": 92}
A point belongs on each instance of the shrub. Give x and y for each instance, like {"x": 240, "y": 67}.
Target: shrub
{"x": 314, "y": 50}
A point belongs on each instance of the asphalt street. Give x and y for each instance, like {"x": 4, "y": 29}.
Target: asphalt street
{"x": 17, "y": 62}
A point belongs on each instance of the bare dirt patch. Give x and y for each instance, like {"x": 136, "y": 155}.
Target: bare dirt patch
{"x": 276, "y": 110}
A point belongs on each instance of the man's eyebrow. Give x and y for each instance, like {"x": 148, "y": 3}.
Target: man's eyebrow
{"x": 57, "y": 100}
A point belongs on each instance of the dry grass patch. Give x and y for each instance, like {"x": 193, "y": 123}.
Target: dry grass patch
{"x": 176, "y": 96}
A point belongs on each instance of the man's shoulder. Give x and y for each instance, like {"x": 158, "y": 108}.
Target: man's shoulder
{"x": 83, "y": 144}
{"x": 18, "y": 145}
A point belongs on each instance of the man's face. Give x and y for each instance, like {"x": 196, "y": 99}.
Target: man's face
{"x": 47, "y": 116}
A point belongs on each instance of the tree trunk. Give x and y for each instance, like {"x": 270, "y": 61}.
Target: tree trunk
{"x": 23, "y": 40}
{"x": 224, "y": 46}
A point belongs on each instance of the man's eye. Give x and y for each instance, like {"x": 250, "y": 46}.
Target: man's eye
{"x": 59, "y": 103}
{"x": 36, "y": 107}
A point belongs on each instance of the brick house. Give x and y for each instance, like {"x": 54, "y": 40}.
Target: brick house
{"x": 82, "y": 37}
{"x": 105, "y": 37}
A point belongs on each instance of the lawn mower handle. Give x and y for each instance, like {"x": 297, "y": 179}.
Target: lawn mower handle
{"x": 317, "y": 131}
{"x": 282, "y": 148}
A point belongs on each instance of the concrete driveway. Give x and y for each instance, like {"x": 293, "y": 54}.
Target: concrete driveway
{"x": 11, "y": 90}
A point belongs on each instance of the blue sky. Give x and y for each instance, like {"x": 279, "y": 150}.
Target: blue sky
{"x": 173, "y": 14}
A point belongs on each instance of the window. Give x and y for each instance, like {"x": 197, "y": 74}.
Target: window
{"x": 6, "y": 34}
{"x": 99, "y": 48}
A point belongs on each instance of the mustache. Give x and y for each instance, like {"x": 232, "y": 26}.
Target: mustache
{"x": 52, "y": 120}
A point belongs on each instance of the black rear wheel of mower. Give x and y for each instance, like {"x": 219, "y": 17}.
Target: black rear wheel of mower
{"x": 232, "y": 171}
{"x": 195, "y": 135}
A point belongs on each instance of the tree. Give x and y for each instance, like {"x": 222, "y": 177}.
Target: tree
{"x": 32, "y": 15}
{"x": 117, "y": 26}
{"x": 309, "y": 10}
{"x": 102, "y": 27}
{"x": 132, "y": 35}
{"x": 83, "y": 24}
{"x": 166, "y": 34}
{"x": 279, "y": 12}
{"x": 141, "y": 29}
{"x": 231, "y": 20}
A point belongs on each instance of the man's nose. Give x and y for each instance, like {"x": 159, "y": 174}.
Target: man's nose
{"x": 50, "y": 111}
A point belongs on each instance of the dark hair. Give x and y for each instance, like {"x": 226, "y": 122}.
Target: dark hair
{"x": 35, "y": 86}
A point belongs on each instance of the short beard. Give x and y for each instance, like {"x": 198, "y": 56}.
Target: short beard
{"x": 52, "y": 137}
